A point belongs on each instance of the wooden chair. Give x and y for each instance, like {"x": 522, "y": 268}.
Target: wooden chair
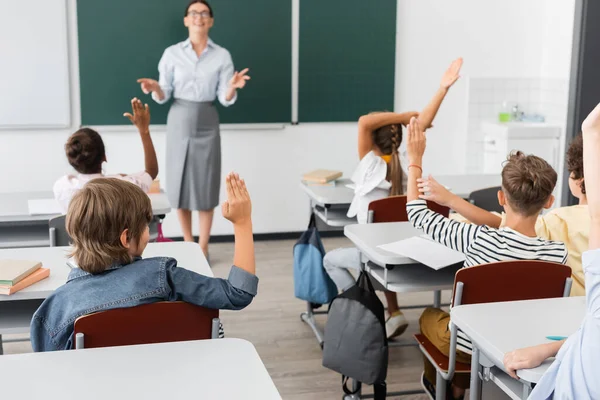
{"x": 149, "y": 323}
{"x": 489, "y": 283}
{"x": 393, "y": 209}
{"x": 487, "y": 199}
{"x": 58, "y": 232}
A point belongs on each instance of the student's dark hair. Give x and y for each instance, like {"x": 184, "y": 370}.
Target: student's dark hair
{"x": 575, "y": 160}
{"x": 527, "y": 182}
{"x": 191, "y": 3}
{"x": 85, "y": 151}
{"x": 388, "y": 139}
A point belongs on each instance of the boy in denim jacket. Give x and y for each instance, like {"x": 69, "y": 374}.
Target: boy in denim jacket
{"x": 108, "y": 223}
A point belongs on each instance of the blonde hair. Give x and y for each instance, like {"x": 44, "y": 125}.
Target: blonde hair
{"x": 528, "y": 182}
{"x": 97, "y": 216}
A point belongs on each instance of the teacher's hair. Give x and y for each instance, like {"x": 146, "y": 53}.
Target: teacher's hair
{"x": 201, "y": 2}
{"x": 85, "y": 151}
{"x": 388, "y": 139}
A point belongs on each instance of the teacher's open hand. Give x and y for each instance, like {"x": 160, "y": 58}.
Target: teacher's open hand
{"x": 148, "y": 85}
{"x": 238, "y": 80}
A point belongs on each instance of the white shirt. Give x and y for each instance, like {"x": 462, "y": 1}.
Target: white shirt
{"x": 370, "y": 183}
{"x": 575, "y": 372}
{"x": 187, "y": 76}
{"x": 66, "y": 187}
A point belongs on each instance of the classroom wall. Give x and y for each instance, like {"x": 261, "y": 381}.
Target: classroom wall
{"x": 430, "y": 34}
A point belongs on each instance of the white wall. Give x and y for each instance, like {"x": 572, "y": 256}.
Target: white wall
{"x": 495, "y": 38}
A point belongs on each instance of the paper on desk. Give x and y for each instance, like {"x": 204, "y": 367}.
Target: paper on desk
{"x": 351, "y": 186}
{"x": 43, "y": 207}
{"x": 425, "y": 251}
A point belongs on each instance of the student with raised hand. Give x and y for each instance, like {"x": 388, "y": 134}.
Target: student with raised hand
{"x": 570, "y": 225}
{"x": 382, "y": 172}
{"x": 574, "y": 372}
{"x": 86, "y": 154}
{"x": 108, "y": 223}
{"x": 527, "y": 185}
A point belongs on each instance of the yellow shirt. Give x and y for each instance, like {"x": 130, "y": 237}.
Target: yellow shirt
{"x": 570, "y": 225}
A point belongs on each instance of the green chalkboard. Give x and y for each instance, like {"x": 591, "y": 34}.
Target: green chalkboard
{"x": 122, "y": 40}
{"x": 347, "y": 58}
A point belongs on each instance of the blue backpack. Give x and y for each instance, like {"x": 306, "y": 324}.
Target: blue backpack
{"x": 311, "y": 281}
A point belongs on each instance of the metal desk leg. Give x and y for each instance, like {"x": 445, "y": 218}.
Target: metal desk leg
{"x": 475, "y": 393}
{"x": 526, "y": 391}
{"x": 309, "y": 318}
{"x": 1, "y": 348}
{"x": 437, "y": 298}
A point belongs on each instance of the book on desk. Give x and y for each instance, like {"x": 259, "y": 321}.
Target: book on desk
{"x": 16, "y": 275}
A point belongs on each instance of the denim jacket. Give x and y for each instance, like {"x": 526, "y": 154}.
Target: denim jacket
{"x": 143, "y": 281}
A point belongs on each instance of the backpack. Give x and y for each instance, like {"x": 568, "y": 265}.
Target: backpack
{"x": 311, "y": 281}
{"x": 355, "y": 343}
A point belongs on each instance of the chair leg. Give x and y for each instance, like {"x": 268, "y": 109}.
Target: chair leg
{"x": 79, "y": 338}
{"x": 440, "y": 387}
{"x": 216, "y": 322}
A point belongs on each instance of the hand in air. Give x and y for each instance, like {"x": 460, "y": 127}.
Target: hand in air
{"x": 238, "y": 81}
{"x": 452, "y": 73}
{"x": 238, "y": 206}
{"x": 416, "y": 142}
{"x": 141, "y": 115}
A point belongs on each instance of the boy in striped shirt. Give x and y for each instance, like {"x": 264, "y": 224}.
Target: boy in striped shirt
{"x": 527, "y": 185}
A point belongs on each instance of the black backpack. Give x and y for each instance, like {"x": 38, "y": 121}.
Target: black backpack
{"x": 355, "y": 340}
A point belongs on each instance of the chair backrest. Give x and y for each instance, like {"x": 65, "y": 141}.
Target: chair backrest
{"x": 58, "y": 232}
{"x": 149, "y": 323}
{"x": 486, "y": 199}
{"x": 393, "y": 209}
{"x": 512, "y": 281}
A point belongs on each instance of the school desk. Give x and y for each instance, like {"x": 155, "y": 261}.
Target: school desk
{"x": 20, "y": 229}
{"x": 200, "y": 369}
{"x": 17, "y": 309}
{"x": 499, "y": 328}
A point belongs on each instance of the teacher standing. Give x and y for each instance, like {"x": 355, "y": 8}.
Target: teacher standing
{"x": 195, "y": 72}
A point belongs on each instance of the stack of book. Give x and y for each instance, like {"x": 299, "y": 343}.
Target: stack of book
{"x": 16, "y": 275}
{"x": 321, "y": 177}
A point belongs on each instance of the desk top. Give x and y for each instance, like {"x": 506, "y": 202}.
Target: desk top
{"x": 498, "y": 328}
{"x": 188, "y": 255}
{"x": 366, "y": 237}
{"x": 14, "y": 207}
{"x": 330, "y": 195}
{"x": 206, "y": 369}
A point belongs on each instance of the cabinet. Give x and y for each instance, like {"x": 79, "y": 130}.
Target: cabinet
{"x": 540, "y": 139}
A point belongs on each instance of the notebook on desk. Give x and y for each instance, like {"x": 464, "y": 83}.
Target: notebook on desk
{"x": 13, "y": 271}
{"x": 44, "y": 207}
{"x": 426, "y": 251}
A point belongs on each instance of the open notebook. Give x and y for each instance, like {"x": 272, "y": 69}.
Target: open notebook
{"x": 426, "y": 251}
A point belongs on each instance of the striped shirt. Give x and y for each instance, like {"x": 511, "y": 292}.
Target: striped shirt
{"x": 482, "y": 244}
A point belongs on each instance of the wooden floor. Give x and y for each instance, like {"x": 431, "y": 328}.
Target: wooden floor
{"x": 286, "y": 345}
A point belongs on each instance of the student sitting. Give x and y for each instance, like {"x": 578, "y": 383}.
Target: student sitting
{"x": 85, "y": 152}
{"x": 570, "y": 225}
{"x": 381, "y": 173}
{"x": 527, "y": 185}
{"x": 108, "y": 222}
{"x": 574, "y": 372}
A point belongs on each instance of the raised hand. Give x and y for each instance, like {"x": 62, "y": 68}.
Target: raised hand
{"x": 416, "y": 142}
{"x": 452, "y": 74}
{"x": 591, "y": 124}
{"x": 238, "y": 206}
{"x": 140, "y": 117}
{"x": 431, "y": 190}
{"x": 148, "y": 85}
{"x": 238, "y": 80}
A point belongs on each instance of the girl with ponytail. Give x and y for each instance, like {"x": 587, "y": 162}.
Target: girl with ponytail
{"x": 382, "y": 172}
